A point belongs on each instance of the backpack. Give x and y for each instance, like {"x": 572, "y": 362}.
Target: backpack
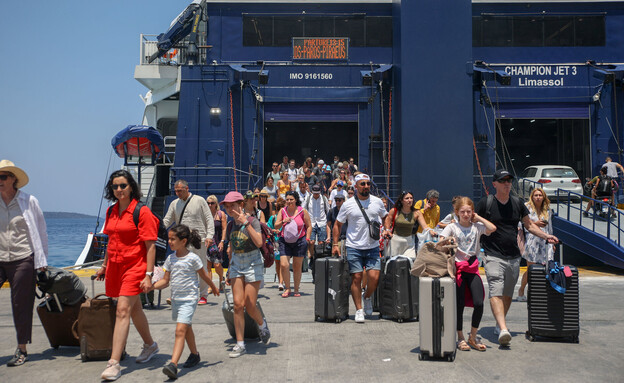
{"x": 268, "y": 246}
{"x": 604, "y": 186}
{"x": 290, "y": 231}
{"x": 162, "y": 242}
{"x": 65, "y": 284}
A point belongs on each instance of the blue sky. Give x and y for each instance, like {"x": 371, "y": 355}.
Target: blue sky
{"x": 68, "y": 87}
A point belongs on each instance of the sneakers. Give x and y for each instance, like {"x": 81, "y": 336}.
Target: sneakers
{"x": 522, "y": 298}
{"x": 171, "y": 370}
{"x": 504, "y": 338}
{"x": 237, "y": 351}
{"x": 192, "y": 361}
{"x": 20, "y": 357}
{"x": 265, "y": 334}
{"x": 147, "y": 353}
{"x": 368, "y": 305}
{"x": 280, "y": 287}
{"x": 112, "y": 371}
{"x": 202, "y": 301}
{"x": 359, "y": 316}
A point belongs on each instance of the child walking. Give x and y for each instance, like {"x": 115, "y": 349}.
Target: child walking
{"x": 470, "y": 292}
{"x": 182, "y": 269}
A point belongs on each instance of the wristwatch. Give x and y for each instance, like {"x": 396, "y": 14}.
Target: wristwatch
{"x": 150, "y": 273}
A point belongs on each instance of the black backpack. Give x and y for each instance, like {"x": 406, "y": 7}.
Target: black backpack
{"x": 162, "y": 242}
{"x": 516, "y": 204}
{"x": 604, "y": 187}
{"x": 66, "y": 285}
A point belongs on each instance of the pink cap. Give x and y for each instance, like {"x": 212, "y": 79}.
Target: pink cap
{"x": 233, "y": 196}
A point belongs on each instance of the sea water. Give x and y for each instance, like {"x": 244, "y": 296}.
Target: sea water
{"x": 67, "y": 238}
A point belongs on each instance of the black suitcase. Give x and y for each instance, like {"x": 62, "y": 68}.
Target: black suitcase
{"x": 377, "y": 294}
{"x": 252, "y": 330}
{"x": 398, "y": 291}
{"x": 438, "y": 318}
{"x": 332, "y": 289}
{"x": 57, "y": 320}
{"x": 552, "y": 314}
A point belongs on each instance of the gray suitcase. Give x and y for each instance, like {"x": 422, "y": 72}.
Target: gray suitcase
{"x": 251, "y": 327}
{"x": 438, "y": 318}
{"x": 332, "y": 288}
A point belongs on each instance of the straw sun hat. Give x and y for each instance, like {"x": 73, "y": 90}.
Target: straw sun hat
{"x": 8, "y": 166}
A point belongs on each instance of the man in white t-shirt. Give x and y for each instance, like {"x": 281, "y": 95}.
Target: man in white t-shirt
{"x": 362, "y": 249}
{"x": 612, "y": 168}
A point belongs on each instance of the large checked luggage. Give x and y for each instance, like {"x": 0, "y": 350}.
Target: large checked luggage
{"x": 94, "y": 328}
{"x": 438, "y": 318}
{"x": 552, "y": 314}
{"x": 398, "y": 291}
{"x": 331, "y": 289}
{"x": 252, "y": 330}
{"x": 57, "y": 320}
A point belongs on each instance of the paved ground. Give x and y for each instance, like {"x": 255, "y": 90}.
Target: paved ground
{"x": 302, "y": 350}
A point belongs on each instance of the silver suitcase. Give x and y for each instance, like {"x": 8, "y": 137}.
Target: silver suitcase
{"x": 438, "y": 318}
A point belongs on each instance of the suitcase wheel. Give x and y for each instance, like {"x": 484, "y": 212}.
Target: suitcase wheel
{"x": 451, "y": 357}
{"x": 400, "y": 320}
{"x": 56, "y": 346}
{"x": 575, "y": 339}
{"x": 530, "y": 337}
{"x": 338, "y": 320}
{"x": 422, "y": 356}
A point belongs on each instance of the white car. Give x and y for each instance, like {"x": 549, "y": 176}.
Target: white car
{"x": 552, "y": 177}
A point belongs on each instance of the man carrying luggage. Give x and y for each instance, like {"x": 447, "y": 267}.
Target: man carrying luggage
{"x": 363, "y": 213}
{"x": 194, "y": 212}
{"x": 502, "y": 256}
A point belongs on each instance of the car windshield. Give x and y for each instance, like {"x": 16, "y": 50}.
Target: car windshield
{"x": 558, "y": 173}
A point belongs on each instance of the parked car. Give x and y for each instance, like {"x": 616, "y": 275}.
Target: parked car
{"x": 551, "y": 178}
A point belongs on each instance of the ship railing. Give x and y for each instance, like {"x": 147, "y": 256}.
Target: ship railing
{"x": 609, "y": 226}
{"x": 175, "y": 56}
{"x": 382, "y": 188}
{"x": 149, "y": 198}
{"x": 524, "y": 187}
{"x": 170, "y": 146}
{"x": 215, "y": 179}
{"x": 481, "y": 186}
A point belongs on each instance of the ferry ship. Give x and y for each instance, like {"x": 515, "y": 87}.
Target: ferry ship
{"x": 422, "y": 95}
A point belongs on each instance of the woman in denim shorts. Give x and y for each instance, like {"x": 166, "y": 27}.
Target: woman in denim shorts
{"x": 293, "y": 212}
{"x": 246, "y": 269}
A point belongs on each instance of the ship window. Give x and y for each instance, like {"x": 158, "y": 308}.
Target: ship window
{"x": 278, "y": 31}
{"x": 318, "y": 27}
{"x": 354, "y": 28}
{"x": 379, "y": 31}
{"x": 285, "y": 29}
{"x": 559, "y": 32}
{"x": 258, "y": 31}
{"x": 538, "y": 31}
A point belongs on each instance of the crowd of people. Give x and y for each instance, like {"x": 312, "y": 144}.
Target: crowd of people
{"x": 312, "y": 213}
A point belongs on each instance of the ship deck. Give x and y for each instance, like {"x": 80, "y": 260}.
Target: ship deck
{"x": 302, "y": 350}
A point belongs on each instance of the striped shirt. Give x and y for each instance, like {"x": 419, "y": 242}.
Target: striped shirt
{"x": 184, "y": 280}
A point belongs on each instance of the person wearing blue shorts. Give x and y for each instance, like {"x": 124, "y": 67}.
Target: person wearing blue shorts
{"x": 362, "y": 249}
{"x": 182, "y": 269}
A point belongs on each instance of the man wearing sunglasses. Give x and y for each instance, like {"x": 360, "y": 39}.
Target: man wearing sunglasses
{"x": 502, "y": 255}
{"x": 361, "y": 213}
{"x": 194, "y": 213}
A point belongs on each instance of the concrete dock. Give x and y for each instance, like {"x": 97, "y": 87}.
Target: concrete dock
{"x": 302, "y": 350}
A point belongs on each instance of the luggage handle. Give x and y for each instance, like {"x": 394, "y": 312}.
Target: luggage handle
{"x": 227, "y": 301}
{"x": 58, "y": 302}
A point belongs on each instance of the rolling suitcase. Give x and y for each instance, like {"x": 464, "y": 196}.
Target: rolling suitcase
{"x": 94, "y": 328}
{"x": 251, "y": 327}
{"x": 57, "y": 320}
{"x": 552, "y": 314}
{"x": 398, "y": 291}
{"x": 332, "y": 289}
{"x": 438, "y": 318}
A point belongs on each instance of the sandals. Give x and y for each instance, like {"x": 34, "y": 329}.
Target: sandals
{"x": 297, "y": 294}
{"x": 18, "y": 359}
{"x": 463, "y": 346}
{"x": 476, "y": 344}
{"x": 286, "y": 294}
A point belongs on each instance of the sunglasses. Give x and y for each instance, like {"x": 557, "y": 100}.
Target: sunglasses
{"x": 364, "y": 183}
{"x": 212, "y": 203}
{"x": 504, "y": 180}
{"x": 119, "y": 186}
{"x": 3, "y": 177}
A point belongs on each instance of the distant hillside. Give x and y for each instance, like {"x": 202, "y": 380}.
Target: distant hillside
{"x": 65, "y": 215}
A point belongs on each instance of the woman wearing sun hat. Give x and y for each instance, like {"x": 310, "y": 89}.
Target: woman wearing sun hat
{"x": 23, "y": 248}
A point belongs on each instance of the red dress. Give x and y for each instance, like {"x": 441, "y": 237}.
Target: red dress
{"x": 126, "y": 252}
